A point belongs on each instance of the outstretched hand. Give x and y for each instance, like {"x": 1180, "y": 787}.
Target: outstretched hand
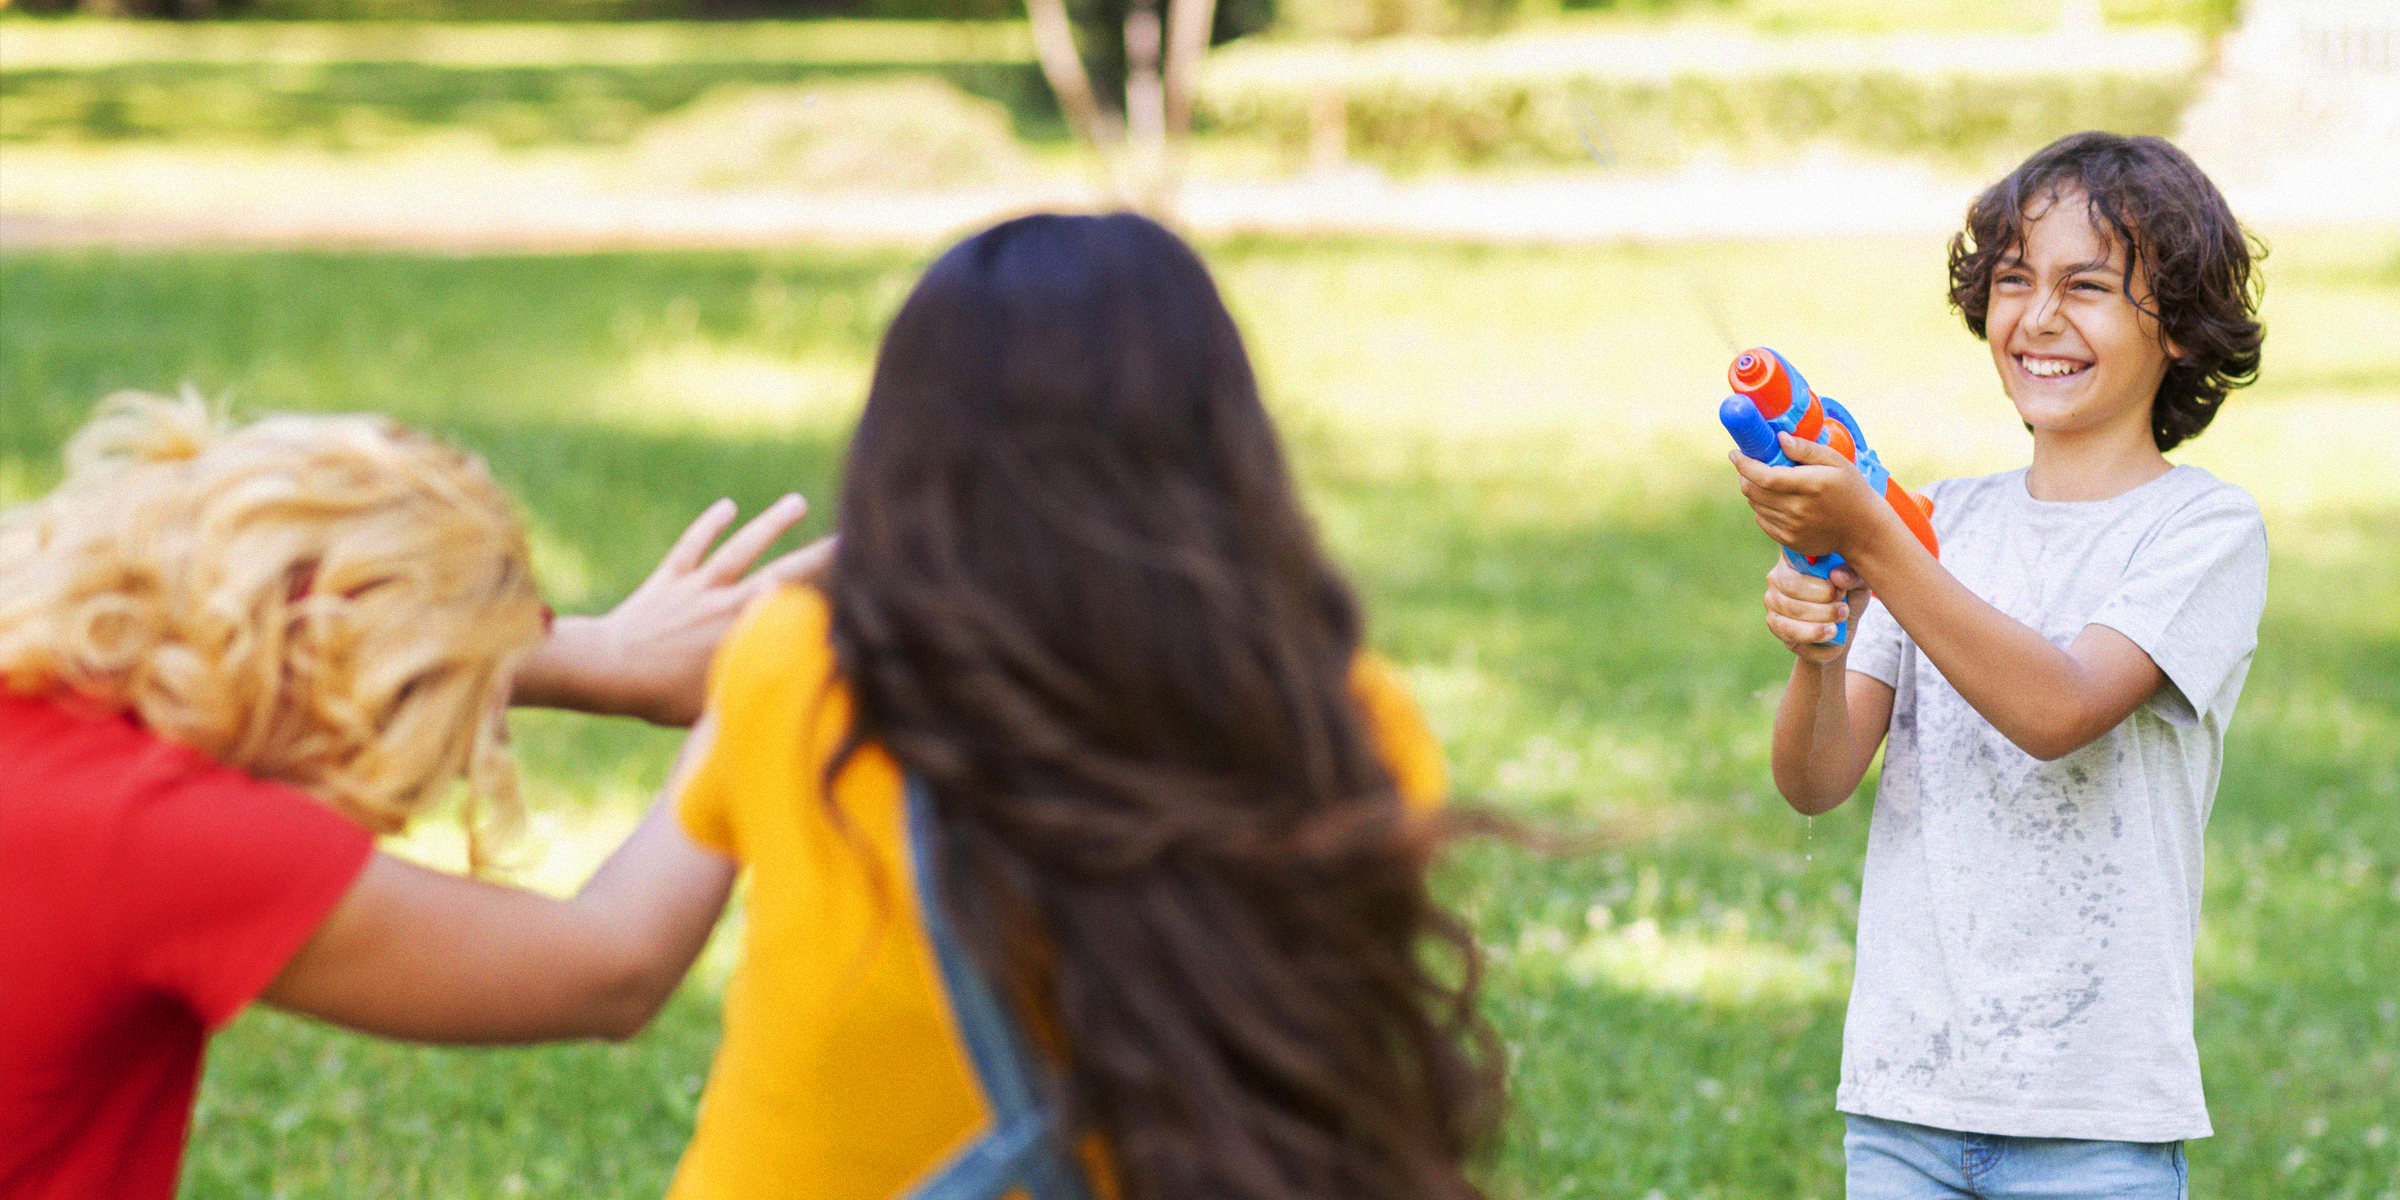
{"x": 648, "y": 657}
{"x": 1813, "y": 506}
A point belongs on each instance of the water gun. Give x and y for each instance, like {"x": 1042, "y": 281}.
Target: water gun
{"x": 1770, "y": 397}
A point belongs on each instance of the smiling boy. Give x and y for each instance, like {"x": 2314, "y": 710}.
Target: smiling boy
{"x": 2055, "y": 690}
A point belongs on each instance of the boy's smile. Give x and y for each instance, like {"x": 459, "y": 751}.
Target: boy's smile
{"x": 2074, "y": 353}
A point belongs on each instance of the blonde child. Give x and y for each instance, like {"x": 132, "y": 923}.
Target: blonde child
{"x": 2054, "y": 691}
{"x": 228, "y": 660}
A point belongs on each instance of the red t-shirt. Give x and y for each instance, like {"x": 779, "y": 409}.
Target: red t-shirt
{"x": 146, "y": 894}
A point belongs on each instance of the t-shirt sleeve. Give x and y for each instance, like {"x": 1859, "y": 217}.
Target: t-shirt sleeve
{"x": 233, "y": 875}
{"x": 1409, "y": 749}
{"x": 1875, "y": 643}
{"x": 2192, "y": 597}
{"x": 778, "y": 645}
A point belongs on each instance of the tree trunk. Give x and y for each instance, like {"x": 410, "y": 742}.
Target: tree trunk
{"x": 1145, "y": 109}
{"x": 1189, "y": 23}
{"x": 1062, "y": 65}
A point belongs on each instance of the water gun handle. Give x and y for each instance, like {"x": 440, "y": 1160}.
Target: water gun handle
{"x": 1770, "y": 398}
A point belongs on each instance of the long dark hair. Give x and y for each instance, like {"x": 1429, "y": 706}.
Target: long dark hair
{"x": 1076, "y": 596}
{"x": 2176, "y": 230}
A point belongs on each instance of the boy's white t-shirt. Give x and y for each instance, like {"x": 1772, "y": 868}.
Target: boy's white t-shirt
{"x": 2025, "y": 928}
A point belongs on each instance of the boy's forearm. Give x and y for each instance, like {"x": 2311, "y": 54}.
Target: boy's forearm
{"x": 1813, "y": 738}
{"x": 2040, "y": 697}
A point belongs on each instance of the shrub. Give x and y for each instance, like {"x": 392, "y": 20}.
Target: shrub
{"x": 894, "y": 131}
{"x": 1651, "y": 102}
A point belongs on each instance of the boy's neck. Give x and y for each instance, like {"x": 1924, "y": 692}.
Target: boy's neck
{"x": 2094, "y": 466}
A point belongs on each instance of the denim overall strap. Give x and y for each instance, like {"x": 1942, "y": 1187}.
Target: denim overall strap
{"x": 1022, "y": 1149}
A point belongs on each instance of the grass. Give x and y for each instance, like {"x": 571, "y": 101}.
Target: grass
{"x": 1511, "y": 450}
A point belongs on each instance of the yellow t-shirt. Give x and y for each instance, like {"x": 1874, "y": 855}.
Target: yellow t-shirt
{"x": 840, "y": 1075}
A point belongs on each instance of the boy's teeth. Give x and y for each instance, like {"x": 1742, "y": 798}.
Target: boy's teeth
{"x": 2049, "y": 366}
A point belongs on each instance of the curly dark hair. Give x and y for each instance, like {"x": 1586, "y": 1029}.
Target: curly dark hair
{"x": 2195, "y": 260}
{"x": 1076, "y": 596}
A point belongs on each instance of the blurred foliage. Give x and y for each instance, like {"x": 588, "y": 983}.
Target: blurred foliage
{"x": 894, "y": 131}
{"x": 1966, "y": 121}
{"x": 1402, "y": 104}
{"x": 351, "y": 86}
{"x": 363, "y": 105}
{"x": 1884, "y": 16}
{"x": 1306, "y": 18}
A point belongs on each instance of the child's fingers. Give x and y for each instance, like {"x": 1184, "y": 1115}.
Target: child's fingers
{"x": 1816, "y": 454}
{"x": 1859, "y": 597}
{"x": 1793, "y": 608}
{"x": 794, "y": 566}
{"x": 1802, "y": 636}
{"x": 696, "y": 537}
{"x": 1755, "y": 474}
{"x": 752, "y": 540}
{"x": 1798, "y": 584}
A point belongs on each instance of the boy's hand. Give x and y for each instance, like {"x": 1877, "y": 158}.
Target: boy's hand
{"x": 1802, "y": 609}
{"x": 648, "y": 657}
{"x": 1813, "y": 507}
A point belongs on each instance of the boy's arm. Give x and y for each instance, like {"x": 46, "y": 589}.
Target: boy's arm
{"x": 1831, "y": 718}
{"x": 648, "y": 657}
{"x": 2048, "y": 701}
{"x": 419, "y": 954}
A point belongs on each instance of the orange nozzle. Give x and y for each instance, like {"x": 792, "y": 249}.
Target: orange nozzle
{"x": 1759, "y": 374}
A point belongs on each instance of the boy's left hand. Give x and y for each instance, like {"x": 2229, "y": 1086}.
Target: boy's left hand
{"x": 1814, "y": 507}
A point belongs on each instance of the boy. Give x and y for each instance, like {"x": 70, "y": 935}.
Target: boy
{"x": 2055, "y": 689}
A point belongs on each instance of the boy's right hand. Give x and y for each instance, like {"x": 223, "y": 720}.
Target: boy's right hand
{"x": 1802, "y": 609}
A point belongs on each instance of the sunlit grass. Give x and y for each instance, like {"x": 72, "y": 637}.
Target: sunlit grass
{"x": 1513, "y": 451}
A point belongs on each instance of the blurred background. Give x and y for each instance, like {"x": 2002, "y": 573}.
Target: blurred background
{"x": 1492, "y": 257}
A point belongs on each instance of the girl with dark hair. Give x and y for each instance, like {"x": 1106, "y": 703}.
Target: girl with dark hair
{"x": 1077, "y": 614}
{"x": 2055, "y": 691}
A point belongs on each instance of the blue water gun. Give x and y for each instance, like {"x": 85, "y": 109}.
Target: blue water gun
{"x": 1771, "y": 397}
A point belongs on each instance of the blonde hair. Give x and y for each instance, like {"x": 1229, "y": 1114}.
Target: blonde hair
{"x": 331, "y": 602}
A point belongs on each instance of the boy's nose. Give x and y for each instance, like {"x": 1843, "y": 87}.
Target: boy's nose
{"x": 2043, "y": 315}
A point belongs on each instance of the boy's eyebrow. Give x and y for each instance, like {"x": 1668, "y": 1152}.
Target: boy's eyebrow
{"x": 2097, "y": 264}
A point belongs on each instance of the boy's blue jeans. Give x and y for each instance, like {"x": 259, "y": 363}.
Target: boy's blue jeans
{"x": 1893, "y": 1160}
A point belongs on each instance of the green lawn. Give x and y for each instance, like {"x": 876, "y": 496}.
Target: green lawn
{"x": 1514, "y": 452}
